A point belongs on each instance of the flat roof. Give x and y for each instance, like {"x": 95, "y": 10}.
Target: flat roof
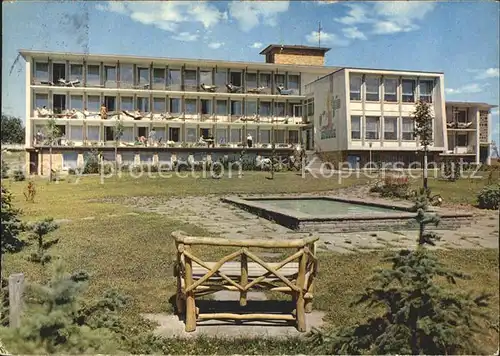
{"x": 199, "y": 62}
{"x": 470, "y": 103}
{"x": 323, "y": 50}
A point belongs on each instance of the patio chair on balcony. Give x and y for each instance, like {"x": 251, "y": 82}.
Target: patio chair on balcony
{"x": 464, "y": 125}
{"x": 233, "y": 88}
{"x": 281, "y": 89}
{"x": 256, "y": 90}
{"x": 209, "y": 88}
{"x": 450, "y": 125}
{"x": 46, "y": 82}
{"x": 136, "y": 115}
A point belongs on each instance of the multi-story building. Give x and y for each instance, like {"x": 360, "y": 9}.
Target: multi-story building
{"x": 172, "y": 108}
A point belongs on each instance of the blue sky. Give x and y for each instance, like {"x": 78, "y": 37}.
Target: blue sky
{"x": 458, "y": 38}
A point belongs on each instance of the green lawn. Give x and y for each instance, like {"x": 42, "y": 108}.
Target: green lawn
{"x": 135, "y": 253}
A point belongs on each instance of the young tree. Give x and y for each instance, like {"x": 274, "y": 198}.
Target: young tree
{"x": 39, "y": 232}
{"x": 423, "y": 130}
{"x": 52, "y": 135}
{"x": 58, "y": 321}
{"x": 419, "y": 315}
{"x": 12, "y": 227}
{"x": 12, "y": 129}
{"x": 118, "y": 133}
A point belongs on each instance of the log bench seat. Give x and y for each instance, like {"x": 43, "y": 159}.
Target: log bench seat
{"x": 294, "y": 275}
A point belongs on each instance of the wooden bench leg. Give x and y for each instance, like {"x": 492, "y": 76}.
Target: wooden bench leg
{"x": 300, "y": 312}
{"x": 180, "y": 303}
{"x": 190, "y": 312}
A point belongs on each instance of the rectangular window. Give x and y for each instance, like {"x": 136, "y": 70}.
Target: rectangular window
{"x": 142, "y": 131}
{"x": 110, "y": 73}
{"x": 76, "y": 72}
{"x": 70, "y": 160}
{"x": 142, "y": 104}
{"x": 93, "y": 133}
{"x": 265, "y": 108}
{"x": 310, "y": 106}
{"x": 408, "y": 128}
{"x": 76, "y": 133}
{"x": 356, "y": 127}
{"x": 293, "y": 136}
{"x": 408, "y": 91}
{"x": 41, "y": 100}
{"x": 190, "y": 79}
{"x": 143, "y": 76}
{"x": 461, "y": 116}
{"x": 372, "y": 88}
{"x": 206, "y": 106}
{"x": 279, "y": 136}
{"x": 265, "y": 80}
{"x": 206, "y": 77}
{"x": 235, "y": 136}
{"x": 159, "y": 77}
{"x": 76, "y": 102}
{"x": 425, "y": 88}
{"x": 265, "y": 136}
{"x": 221, "y": 78}
{"x": 190, "y": 134}
{"x": 372, "y": 128}
{"x": 293, "y": 83}
{"x": 127, "y": 103}
{"x": 146, "y": 157}
{"x": 390, "y": 128}
{"x": 93, "y": 75}
{"x": 59, "y": 103}
{"x": 175, "y": 105}
{"x": 251, "y": 80}
{"x": 159, "y": 105}
{"x": 251, "y": 108}
{"x": 161, "y": 133}
{"x": 191, "y": 108}
{"x": 390, "y": 90}
{"x": 42, "y": 71}
{"x": 174, "y": 79}
{"x": 58, "y": 71}
{"x": 110, "y": 103}
{"x": 126, "y": 75}
{"x": 279, "y": 109}
{"x": 174, "y": 134}
{"x": 235, "y": 107}
{"x": 221, "y": 107}
{"x": 235, "y": 78}
{"x": 128, "y": 158}
{"x": 279, "y": 79}
{"x": 128, "y": 134}
{"x": 221, "y": 135}
{"x": 462, "y": 140}
{"x": 355, "y": 87}
{"x": 93, "y": 103}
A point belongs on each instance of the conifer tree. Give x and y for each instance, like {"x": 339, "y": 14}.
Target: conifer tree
{"x": 12, "y": 227}
{"x": 39, "y": 231}
{"x": 419, "y": 315}
{"x": 57, "y": 320}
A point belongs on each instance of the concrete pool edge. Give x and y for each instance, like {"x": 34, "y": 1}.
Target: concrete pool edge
{"x": 402, "y": 218}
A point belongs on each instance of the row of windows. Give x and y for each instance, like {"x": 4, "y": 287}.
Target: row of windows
{"x": 391, "y": 87}
{"x": 61, "y": 102}
{"x": 394, "y": 128}
{"x": 129, "y": 75}
{"x": 175, "y": 134}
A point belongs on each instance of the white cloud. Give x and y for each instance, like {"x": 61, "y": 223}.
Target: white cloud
{"x": 215, "y": 45}
{"x": 327, "y": 38}
{"x": 486, "y": 73}
{"x": 325, "y": 2}
{"x": 353, "y": 33}
{"x": 387, "y": 27}
{"x": 399, "y": 16}
{"x": 185, "y": 37}
{"x": 355, "y": 15}
{"x": 256, "y": 45}
{"x": 167, "y": 15}
{"x": 250, "y": 14}
{"x": 466, "y": 89}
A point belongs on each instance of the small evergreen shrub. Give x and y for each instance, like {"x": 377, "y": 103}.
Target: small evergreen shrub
{"x": 489, "y": 197}
{"x": 18, "y": 175}
{"x": 393, "y": 187}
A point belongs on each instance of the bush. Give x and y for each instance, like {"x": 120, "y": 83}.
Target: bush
{"x": 489, "y": 197}
{"x": 91, "y": 165}
{"x": 19, "y": 175}
{"x": 393, "y": 187}
{"x": 5, "y": 169}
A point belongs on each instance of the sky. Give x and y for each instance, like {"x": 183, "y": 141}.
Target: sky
{"x": 460, "y": 39}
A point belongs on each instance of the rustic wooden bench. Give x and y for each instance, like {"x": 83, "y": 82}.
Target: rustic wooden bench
{"x": 294, "y": 275}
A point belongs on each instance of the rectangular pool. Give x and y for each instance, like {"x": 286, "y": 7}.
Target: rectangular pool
{"x": 339, "y": 214}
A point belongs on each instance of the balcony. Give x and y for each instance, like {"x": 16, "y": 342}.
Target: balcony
{"x": 460, "y": 120}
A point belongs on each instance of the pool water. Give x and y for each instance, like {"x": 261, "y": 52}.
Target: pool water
{"x": 323, "y": 206}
